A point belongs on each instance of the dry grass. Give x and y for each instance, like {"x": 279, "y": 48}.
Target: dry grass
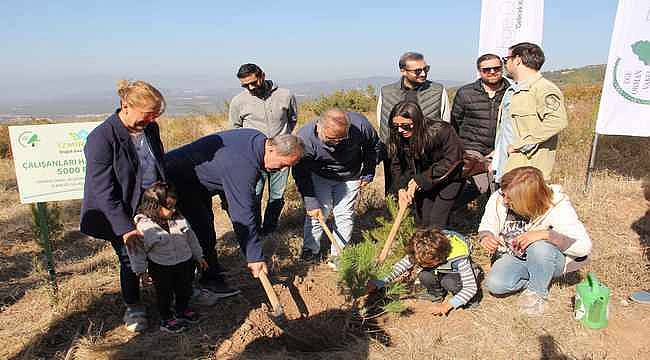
{"x": 86, "y": 322}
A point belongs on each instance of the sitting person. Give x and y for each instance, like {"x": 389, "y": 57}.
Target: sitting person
{"x": 444, "y": 257}
{"x": 535, "y": 235}
{"x": 170, "y": 248}
{"x": 425, "y": 161}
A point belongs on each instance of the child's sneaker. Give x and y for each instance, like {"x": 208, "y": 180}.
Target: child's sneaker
{"x": 172, "y": 326}
{"x": 188, "y": 316}
{"x": 433, "y": 296}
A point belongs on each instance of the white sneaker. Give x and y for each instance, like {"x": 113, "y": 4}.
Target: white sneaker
{"x": 531, "y": 303}
{"x": 203, "y": 297}
{"x": 333, "y": 262}
{"x": 135, "y": 318}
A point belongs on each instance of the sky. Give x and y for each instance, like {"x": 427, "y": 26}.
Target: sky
{"x": 50, "y": 48}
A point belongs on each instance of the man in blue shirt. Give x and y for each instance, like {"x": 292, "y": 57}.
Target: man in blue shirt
{"x": 230, "y": 163}
{"x": 340, "y": 158}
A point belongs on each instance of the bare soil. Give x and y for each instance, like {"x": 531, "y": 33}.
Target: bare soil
{"x": 86, "y": 321}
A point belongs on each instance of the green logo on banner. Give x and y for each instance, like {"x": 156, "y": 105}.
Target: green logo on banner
{"x": 632, "y": 75}
{"x": 28, "y": 139}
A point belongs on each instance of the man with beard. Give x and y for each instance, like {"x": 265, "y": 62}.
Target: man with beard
{"x": 273, "y": 111}
{"x": 532, "y": 114}
{"x": 474, "y": 116}
{"x": 412, "y": 86}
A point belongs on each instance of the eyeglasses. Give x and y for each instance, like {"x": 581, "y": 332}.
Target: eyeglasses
{"x": 405, "y": 127}
{"x": 506, "y": 58}
{"x": 495, "y": 69}
{"x": 420, "y": 70}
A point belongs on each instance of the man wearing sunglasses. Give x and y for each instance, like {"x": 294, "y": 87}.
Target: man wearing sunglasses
{"x": 273, "y": 111}
{"x": 340, "y": 158}
{"x": 474, "y": 116}
{"x": 532, "y": 114}
{"x": 414, "y": 86}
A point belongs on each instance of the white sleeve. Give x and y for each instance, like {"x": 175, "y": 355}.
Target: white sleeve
{"x": 445, "y": 110}
{"x": 490, "y": 219}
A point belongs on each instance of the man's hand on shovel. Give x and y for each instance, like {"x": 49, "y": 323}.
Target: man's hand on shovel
{"x": 257, "y": 267}
{"x": 315, "y": 214}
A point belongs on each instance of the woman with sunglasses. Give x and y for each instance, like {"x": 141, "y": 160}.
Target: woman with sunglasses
{"x": 425, "y": 162}
{"x": 535, "y": 234}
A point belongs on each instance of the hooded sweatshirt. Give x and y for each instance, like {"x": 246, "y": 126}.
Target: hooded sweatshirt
{"x": 566, "y": 231}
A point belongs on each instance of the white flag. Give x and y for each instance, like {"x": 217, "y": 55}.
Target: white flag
{"x": 625, "y": 102}
{"x": 507, "y": 22}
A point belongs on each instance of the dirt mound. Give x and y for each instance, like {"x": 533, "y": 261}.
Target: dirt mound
{"x": 317, "y": 319}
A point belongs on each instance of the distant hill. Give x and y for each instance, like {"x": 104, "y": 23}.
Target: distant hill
{"x": 180, "y": 101}
{"x": 189, "y": 101}
{"x": 586, "y": 75}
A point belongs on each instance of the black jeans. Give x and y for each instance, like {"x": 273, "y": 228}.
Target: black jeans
{"x": 432, "y": 208}
{"x": 169, "y": 281}
{"x": 129, "y": 281}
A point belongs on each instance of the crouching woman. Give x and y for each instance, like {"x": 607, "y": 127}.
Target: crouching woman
{"x": 535, "y": 235}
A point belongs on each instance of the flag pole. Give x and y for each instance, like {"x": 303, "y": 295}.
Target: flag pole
{"x": 592, "y": 161}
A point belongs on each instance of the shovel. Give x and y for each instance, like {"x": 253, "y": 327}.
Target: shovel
{"x": 392, "y": 235}
{"x": 330, "y": 236}
{"x": 278, "y": 312}
{"x": 277, "y": 316}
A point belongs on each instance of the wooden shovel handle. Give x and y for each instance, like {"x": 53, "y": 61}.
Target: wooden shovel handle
{"x": 270, "y": 293}
{"x": 393, "y": 233}
{"x": 329, "y": 235}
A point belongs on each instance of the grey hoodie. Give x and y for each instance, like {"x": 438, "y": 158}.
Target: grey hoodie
{"x": 162, "y": 247}
{"x": 274, "y": 115}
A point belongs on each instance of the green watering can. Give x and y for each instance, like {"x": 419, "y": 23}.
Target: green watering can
{"x": 592, "y": 302}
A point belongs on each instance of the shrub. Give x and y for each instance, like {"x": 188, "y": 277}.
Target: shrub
{"x": 358, "y": 263}
{"x": 362, "y": 101}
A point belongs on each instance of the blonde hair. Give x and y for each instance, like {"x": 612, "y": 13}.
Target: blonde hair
{"x": 528, "y": 194}
{"x": 140, "y": 94}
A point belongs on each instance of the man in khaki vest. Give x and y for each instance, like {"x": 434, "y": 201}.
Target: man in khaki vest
{"x": 532, "y": 113}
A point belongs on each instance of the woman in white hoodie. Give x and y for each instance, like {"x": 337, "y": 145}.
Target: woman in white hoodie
{"x": 536, "y": 235}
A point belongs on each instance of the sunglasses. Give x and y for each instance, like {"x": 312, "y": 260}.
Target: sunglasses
{"x": 495, "y": 69}
{"x": 405, "y": 127}
{"x": 420, "y": 70}
{"x": 169, "y": 207}
{"x": 250, "y": 84}
{"x": 506, "y": 58}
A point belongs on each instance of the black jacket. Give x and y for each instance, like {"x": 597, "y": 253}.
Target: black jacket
{"x": 474, "y": 116}
{"x": 445, "y": 150}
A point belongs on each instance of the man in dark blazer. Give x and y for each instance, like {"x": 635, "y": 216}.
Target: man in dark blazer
{"x": 124, "y": 155}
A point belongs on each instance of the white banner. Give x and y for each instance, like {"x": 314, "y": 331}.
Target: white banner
{"x": 507, "y": 22}
{"x": 49, "y": 160}
{"x": 625, "y": 102}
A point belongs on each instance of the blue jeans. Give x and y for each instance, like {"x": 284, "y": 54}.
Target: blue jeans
{"x": 544, "y": 261}
{"x": 277, "y": 184}
{"x": 338, "y": 197}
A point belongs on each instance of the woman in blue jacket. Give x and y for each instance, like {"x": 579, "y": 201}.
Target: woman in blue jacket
{"x": 123, "y": 156}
